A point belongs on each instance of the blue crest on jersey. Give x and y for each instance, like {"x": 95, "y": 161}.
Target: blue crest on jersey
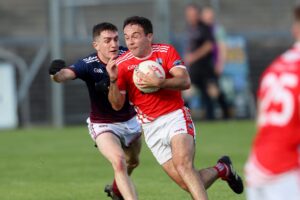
{"x": 159, "y": 60}
{"x": 177, "y": 62}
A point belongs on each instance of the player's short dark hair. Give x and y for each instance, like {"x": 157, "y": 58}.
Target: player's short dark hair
{"x": 141, "y": 21}
{"x": 105, "y": 26}
{"x": 297, "y": 12}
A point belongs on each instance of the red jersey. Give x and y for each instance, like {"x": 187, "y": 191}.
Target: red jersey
{"x": 152, "y": 105}
{"x": 277, "y": 144}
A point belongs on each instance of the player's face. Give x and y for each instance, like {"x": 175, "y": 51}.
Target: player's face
{"x": 107, "y": 45}
{"x": 137, "y": 41}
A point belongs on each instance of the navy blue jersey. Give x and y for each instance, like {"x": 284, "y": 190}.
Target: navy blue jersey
{"x": 93, "y": 72}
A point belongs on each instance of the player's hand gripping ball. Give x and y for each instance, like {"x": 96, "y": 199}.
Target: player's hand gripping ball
{"x": 145, "y": 67}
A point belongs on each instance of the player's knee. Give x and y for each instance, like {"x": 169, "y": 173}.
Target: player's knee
{"x": 182, "y": 167}
{"x": 119, "y": 163}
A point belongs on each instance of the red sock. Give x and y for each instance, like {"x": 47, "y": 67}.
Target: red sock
{"x": 115, "y": 189}
{"x": 222, "y": 170}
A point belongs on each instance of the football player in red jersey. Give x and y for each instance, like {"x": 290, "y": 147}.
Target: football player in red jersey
{"x": 168, "y": 128}
{"x": 116, "y": 133}
{"x": 273, "y": 167}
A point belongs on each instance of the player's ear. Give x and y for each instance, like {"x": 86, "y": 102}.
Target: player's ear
{"x": 150, "y": 36}
{"x": 94, "y": 43}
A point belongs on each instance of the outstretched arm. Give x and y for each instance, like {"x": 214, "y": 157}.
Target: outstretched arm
{"x": 115, "y": 97}
{"x": 59, "y": 73}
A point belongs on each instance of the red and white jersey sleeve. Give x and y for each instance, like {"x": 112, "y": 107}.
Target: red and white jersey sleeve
{"x": 276, "y": 148}
{"x": 152, "y": 105}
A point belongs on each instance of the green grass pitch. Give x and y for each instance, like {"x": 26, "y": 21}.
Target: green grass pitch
{"x": 62, "y": 164}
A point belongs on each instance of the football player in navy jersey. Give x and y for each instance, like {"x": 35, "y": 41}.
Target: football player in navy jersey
{"x": 116, "y": 133}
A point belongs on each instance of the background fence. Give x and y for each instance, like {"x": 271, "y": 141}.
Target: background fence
{"x": 33, "y": 32}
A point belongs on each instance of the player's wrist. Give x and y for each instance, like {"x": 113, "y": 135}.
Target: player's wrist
{"x": 113, "y": 80}
{"x": 160, "y": 83}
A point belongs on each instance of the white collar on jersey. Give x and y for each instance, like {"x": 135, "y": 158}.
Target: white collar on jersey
{"x": 146, "y": 57}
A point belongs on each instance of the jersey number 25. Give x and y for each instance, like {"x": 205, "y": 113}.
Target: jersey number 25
{"x": 277, "y": 104}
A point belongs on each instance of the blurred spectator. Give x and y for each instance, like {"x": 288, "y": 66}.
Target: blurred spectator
{"x": 208, "y": 17}
{"x": 200, "y": 57}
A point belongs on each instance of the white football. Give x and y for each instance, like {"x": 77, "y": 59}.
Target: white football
{"x": 145, "y": 67}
